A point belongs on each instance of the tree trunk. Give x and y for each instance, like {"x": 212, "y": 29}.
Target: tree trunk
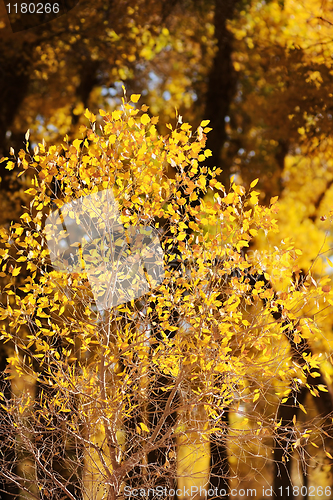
{"x": 289, "y": 409}
{"x": 219, "y": 464}
{"x": 14, "y": 86}
{"x": 162, "y": 461}
{"x": 283, "y": 445}
{"x": 221, "y": 86}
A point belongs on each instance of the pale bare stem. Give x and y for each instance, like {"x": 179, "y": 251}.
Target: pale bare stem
{"x": 111, "y": 437}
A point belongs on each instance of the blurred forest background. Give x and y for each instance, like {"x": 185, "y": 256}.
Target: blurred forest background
{"x": 260, "y": 71}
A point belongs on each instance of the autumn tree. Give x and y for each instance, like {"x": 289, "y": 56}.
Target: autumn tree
{"x": 261, "y": 72}
{"x": 96, "y": 417}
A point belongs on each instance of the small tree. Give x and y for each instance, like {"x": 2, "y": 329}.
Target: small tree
{"x": 118, "y": 386}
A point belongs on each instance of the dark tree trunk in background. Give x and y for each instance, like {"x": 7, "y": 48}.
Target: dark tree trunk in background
{"x": 163, "y": 458}
{"x": 220, "y": 92}
{"x": 89, "y": 80}
{"x": 283, "y": 445}
{"x": 286, "y": 435}
{"x": 162, "y": 461}
{"x": 14, "y": 80}
{"x": 14, "y": 86}
{"x": 219, "y": 462}
{"x": 221, "y": 86}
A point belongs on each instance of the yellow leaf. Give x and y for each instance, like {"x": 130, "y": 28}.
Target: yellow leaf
{"x": 10, "y": 165}
{"x": 31, "y": 191}
{"x": 204, "y": 123}
{"x": 256, "y": 396}
{"x": 144, "y": 427}
{"x": 16, "y": 271}
{"x": 218, "y": 185}
{"x": 91, "y": 117}
{"x": 302, "y": 408}
{"x": 193, "y": 226}
{"x": 229, "y": 198}
{"x": 77, "y": 144}
{"x": 25, "y": 217}
{"x": 254, "y": 183}
{"x": 328, "y": 454}
{"x": 181, "y": 236}
{"x": 254, "y": 199}
{"x": 145, "y": 119}
{"x": 202, "y": 181}
{"x": 135, "y": 97}
{"x": 186, "y": 126}
{"x": 241, "y": 190}
{"x": 116, "y": 115}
